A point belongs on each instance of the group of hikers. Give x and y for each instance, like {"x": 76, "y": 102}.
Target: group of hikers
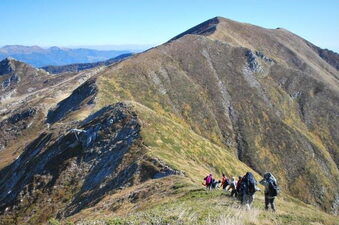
{"x": 245, "y": 187}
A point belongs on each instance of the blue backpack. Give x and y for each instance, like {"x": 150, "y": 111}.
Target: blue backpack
{"x": 248, "y": 184}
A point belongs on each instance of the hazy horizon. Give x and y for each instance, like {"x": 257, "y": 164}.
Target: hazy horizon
{"x": 134, "y": 48}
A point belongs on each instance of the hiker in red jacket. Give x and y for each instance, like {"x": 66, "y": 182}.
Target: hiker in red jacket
{"x": 224, "y": 182}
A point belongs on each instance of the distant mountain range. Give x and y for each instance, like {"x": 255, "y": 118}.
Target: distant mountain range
{"x": 56, "y": 56}
{"x": 76, "y": 67}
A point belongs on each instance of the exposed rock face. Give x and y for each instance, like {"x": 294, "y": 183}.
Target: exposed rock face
{"x": 14, "y": 73}
{"x": 30, "y": 88}
{"x": 11, "y": 81}
{"x": 13, "y": 127}
{"x": 77, "y": 169}
{"x": 7, "y": 71}
{"x": 6, "y": 66}
{"x": 85, "y": 94}
{"x": 329, "y": 56}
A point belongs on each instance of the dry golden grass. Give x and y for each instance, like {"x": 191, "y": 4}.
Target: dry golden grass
{"x": 189, "y": 204}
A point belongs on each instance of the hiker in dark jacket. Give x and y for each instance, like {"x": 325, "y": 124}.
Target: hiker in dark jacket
{"x": 215, "y": 183}
{"x": 224, "y": 181}
{"x": 247, "y": 189}
{"x": 271, "y": 190}
{"x": 238, "y": 187}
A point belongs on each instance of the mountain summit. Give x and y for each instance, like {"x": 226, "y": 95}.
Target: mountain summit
{"x": 133, "y": 139}
{"x": 205, "y": 28}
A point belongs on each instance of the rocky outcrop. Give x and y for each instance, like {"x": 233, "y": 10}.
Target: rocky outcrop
{"x": 7, "y": 66}
{"x": 11, "y": 81}
{"x": 15, "y": 74}
{"x": 12, "y": 127}
{"x": 85, "y": 94}
{"x": 329, "y": 56}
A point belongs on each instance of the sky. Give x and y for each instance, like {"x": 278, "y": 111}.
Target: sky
{"x": 133, "y": 24}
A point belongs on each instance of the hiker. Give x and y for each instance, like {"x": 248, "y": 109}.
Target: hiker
{"x": 247, "y": 189}
{"x": 215, "y": 184}
{"x": 224, "y": 182}
{"x": 208, "y": 182}
{"x": 237, "y": 189}
{"x": 233, "y": 187}
{"x": 271, "y": 190}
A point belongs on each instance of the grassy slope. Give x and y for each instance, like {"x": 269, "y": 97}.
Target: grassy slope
{"x": 183, "y": 149}
{"x": 191, "y": 204}
{"x": 178, "y": 146}
{"x": 198, "y": 206}
{"x": 183, "y": 198}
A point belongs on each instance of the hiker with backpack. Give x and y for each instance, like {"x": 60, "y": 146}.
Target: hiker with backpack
{"x": 237, "y": 188}
{"x": 233, "y": 187}
{"x": 271, "y": 190}
{"x": 215, "y": 184}
{"x": 224, "y": 182}
{"x": 247, "y": 189}
{"x": 208, "y": 182}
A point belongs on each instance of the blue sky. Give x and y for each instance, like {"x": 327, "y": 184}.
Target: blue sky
{"x": 140, "y": 23}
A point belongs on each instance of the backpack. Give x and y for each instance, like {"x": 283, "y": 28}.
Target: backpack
{"x": 209, "y": 180}
{"x": 214, "y": 183}
{"x": 228, "y": 182}
{"x": 272, "y": 188}
{"x": 248, "y": 184}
